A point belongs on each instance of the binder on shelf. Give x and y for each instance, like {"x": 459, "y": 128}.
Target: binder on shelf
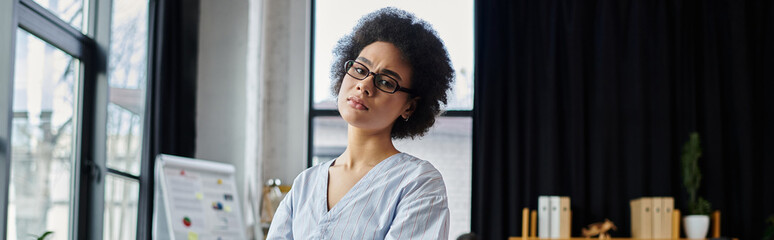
{"x": 652, "y": 217}
{"x": 635, "y": 216}
{"x": 646, "y": 218}
{"x": 657, "y": 215}
{"x": 667, "y": 206}
{"x": 544, "y": 217}
{"x": 556, "y": 222}
{"x": 554, "y": 217}
{"x": 642, "y": 217}
{"x": 564, "y": 217}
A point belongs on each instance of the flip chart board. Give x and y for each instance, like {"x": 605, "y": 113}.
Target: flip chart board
{"x": 196, "y": 200}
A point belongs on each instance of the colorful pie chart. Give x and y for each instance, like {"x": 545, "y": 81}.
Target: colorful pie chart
{"x": 217, "y": 205}
{"x": 186, "y": 221}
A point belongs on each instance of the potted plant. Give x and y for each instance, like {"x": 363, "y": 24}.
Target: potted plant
{"x": 697, "y": 221}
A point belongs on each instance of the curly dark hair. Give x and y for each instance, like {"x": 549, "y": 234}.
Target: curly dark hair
{"x": 432, "y": 72}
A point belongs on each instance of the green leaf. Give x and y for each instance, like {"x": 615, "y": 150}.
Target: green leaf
{"x": 42, "y": 237}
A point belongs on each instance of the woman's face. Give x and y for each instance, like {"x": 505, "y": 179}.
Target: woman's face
{"x": 364, "y": 106}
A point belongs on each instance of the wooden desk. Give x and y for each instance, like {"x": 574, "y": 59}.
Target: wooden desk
{"x": 578, "y": 238}
{"x": 594, "y": 238}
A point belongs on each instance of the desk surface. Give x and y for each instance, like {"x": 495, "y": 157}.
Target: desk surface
{"x": 593, "y": 238}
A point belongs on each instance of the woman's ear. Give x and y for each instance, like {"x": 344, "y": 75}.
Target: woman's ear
{"x": 411, "y": 105}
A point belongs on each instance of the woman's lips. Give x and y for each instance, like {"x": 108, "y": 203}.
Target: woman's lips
{"x": 356, "y": 103}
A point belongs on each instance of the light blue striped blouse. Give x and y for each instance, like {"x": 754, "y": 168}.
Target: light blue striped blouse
{"x": 402, "y": 197}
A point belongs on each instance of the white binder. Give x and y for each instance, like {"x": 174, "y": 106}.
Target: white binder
{"x": 544, "y": 217}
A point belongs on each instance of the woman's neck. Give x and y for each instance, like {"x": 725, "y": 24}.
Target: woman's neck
{"x": 366, "y": 148}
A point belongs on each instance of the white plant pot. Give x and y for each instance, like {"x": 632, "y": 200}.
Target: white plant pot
{"x": 696, "y": 226}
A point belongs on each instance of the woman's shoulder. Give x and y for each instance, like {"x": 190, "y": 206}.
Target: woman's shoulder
{"x": 421, "y": 174}
{"x": 308, "y": 174}
{"x": 419, "y": 166}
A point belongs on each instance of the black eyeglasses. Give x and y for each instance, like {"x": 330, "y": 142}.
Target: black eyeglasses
{"x": 383, "y": 82}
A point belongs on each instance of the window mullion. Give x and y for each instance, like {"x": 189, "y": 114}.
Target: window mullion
{"x": 90, "y": 209}
{"x": 40, "y": 22}
{"x": 122, "y": 174}
{"x": 147, "y": 164}
{"x": 8, "y": 26}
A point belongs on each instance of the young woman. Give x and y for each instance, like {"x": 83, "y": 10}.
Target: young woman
{"x": 392, "y": 74}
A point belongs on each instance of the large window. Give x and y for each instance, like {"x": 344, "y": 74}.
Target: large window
{"x": 448, "y": 145}
{"x": 127, "y": 80}
{"x": 77, "y": 119}
{"x": 42, "y": 143}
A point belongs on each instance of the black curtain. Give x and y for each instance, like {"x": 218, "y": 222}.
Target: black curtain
{"x": 171, "y": 112}
{"x": 594, "y": 100}
{"x": 174, "y": 93}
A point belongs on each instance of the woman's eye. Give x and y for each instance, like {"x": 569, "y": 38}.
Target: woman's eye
{"x": 386, "y": 83}
{"x": 360, "y": 70}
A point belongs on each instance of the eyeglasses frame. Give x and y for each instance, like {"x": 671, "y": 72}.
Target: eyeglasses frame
{"x": 350, "y": 63}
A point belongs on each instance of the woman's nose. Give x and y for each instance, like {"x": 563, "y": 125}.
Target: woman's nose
{"x": 365, "y": 86}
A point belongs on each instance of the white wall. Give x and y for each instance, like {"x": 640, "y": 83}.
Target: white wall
{"x": 230, "y": 95}
{"x": 286, "y": 77}
{"x": 221, "y": 82}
